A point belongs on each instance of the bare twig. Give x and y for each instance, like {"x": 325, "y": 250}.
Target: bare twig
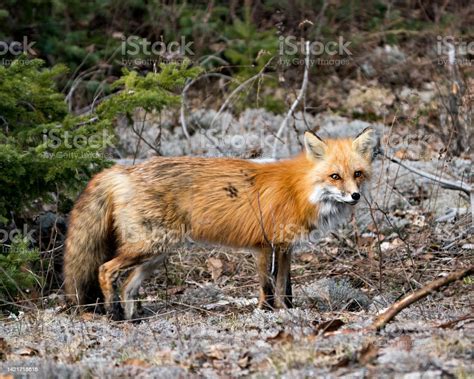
{"x": 182, "y": 116}
{"x": 379, "y": 242}
{"x": 140, "y": 137}
{"x": 433, "y": 286}
{"x": 454, "y": 99}
{"x": 301, "y": 95}
{"x": 240, "y": 88}
{"x": 451, "y": 324}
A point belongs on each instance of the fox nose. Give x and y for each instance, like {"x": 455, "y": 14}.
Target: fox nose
{"x": 356, "y": 195}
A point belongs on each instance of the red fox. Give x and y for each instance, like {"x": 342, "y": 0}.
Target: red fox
{"x": 130, "y": 218}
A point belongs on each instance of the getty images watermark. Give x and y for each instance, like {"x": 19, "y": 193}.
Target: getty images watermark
{"x": 333, "y": 52}
{"x": 141, "y": 51}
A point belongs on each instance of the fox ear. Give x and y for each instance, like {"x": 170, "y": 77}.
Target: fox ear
{"x": 315, "y": 146}
{"x": 365, "y": 143}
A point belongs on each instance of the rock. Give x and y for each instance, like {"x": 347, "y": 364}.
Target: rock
{"x": 332, "y": 295}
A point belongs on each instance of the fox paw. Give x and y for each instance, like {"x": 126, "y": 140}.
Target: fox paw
{"x": 116, "y": 311}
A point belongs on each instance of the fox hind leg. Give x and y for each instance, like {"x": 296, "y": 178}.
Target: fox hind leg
{"x": 133, "y": 283}
{"x": 108, "y": 275}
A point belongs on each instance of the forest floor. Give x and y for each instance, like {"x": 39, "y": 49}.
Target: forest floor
{"x": 211, "y": 328}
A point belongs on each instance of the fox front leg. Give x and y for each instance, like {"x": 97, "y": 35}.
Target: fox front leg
{"x": 267, "y": 267}
{"x": 283, "y": 292}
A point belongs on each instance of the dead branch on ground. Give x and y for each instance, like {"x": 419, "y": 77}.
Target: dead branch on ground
{"x": 388, "y": 315}
{"x": 431, "y": 287}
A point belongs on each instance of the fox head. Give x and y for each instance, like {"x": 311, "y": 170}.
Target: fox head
{"x": 340, "y": 166}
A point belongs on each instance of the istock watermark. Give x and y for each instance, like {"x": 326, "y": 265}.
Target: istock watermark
{"x": 11, "y": 51}
{"x": 55, "y": 138}
{"x": 17, "y": 47}
{"x": 452, "y": 50}
{"x": 292, "y": 52}
{"x": 233, "y": 142}
{"x": 286, "y": 62}
{"x": 10, "y": 235}
{"x": 141, "y": 51}
{"x": 290, "y": 45}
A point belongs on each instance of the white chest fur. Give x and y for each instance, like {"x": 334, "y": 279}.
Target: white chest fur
{"x": 332, "y": 214}
{"x": 333, "y": 210}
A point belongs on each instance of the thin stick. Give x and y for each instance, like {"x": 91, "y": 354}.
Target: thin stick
{"x": 401, "y": 304}
{"x": 302, "y": 93}
{"x": 240, "y": 88}
{"x": 445, "y": 183}
{"x": 182, "y": 116}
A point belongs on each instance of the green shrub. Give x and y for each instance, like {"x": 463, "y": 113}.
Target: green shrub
{"x": 43, "y": 149}
{"x": 152, "y": 92}
{"x": 16, "y": 269}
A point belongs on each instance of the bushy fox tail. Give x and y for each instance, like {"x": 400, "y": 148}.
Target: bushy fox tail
{"x": 89, "y": 243}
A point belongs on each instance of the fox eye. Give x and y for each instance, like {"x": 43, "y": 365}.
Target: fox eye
{"x": 335, "y": 176}
{"x": 357, "y": 174}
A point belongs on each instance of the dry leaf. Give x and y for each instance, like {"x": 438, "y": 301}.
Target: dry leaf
{"x": 219, "y": 267}
{"x": 4, "y": 348}
{"x": 88, "y": 316}
{"x": 343, "y": 362}
{"x": 164, "y": 357}
{"x": 27, "y": 352}
{"x": 135, "y": 362}
{"x": 178, "y": 290}
{"x": 308, "y": 257}
{"x": 403, "y": 343}
{"x": 387, "y": 246}
{"x": 218, "y": 364}
{"x": 216, "y": 352}
{"x": 329, "y": 326}
{"x": 216, "y": 267}
{"x": 368, "y": 353}
{"x": 244, "y": 362}
{"x": 281, "y": 337}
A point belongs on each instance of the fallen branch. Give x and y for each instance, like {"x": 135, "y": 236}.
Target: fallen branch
{"x": 302, "y": 93}
{"x": 433, "y": 286}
